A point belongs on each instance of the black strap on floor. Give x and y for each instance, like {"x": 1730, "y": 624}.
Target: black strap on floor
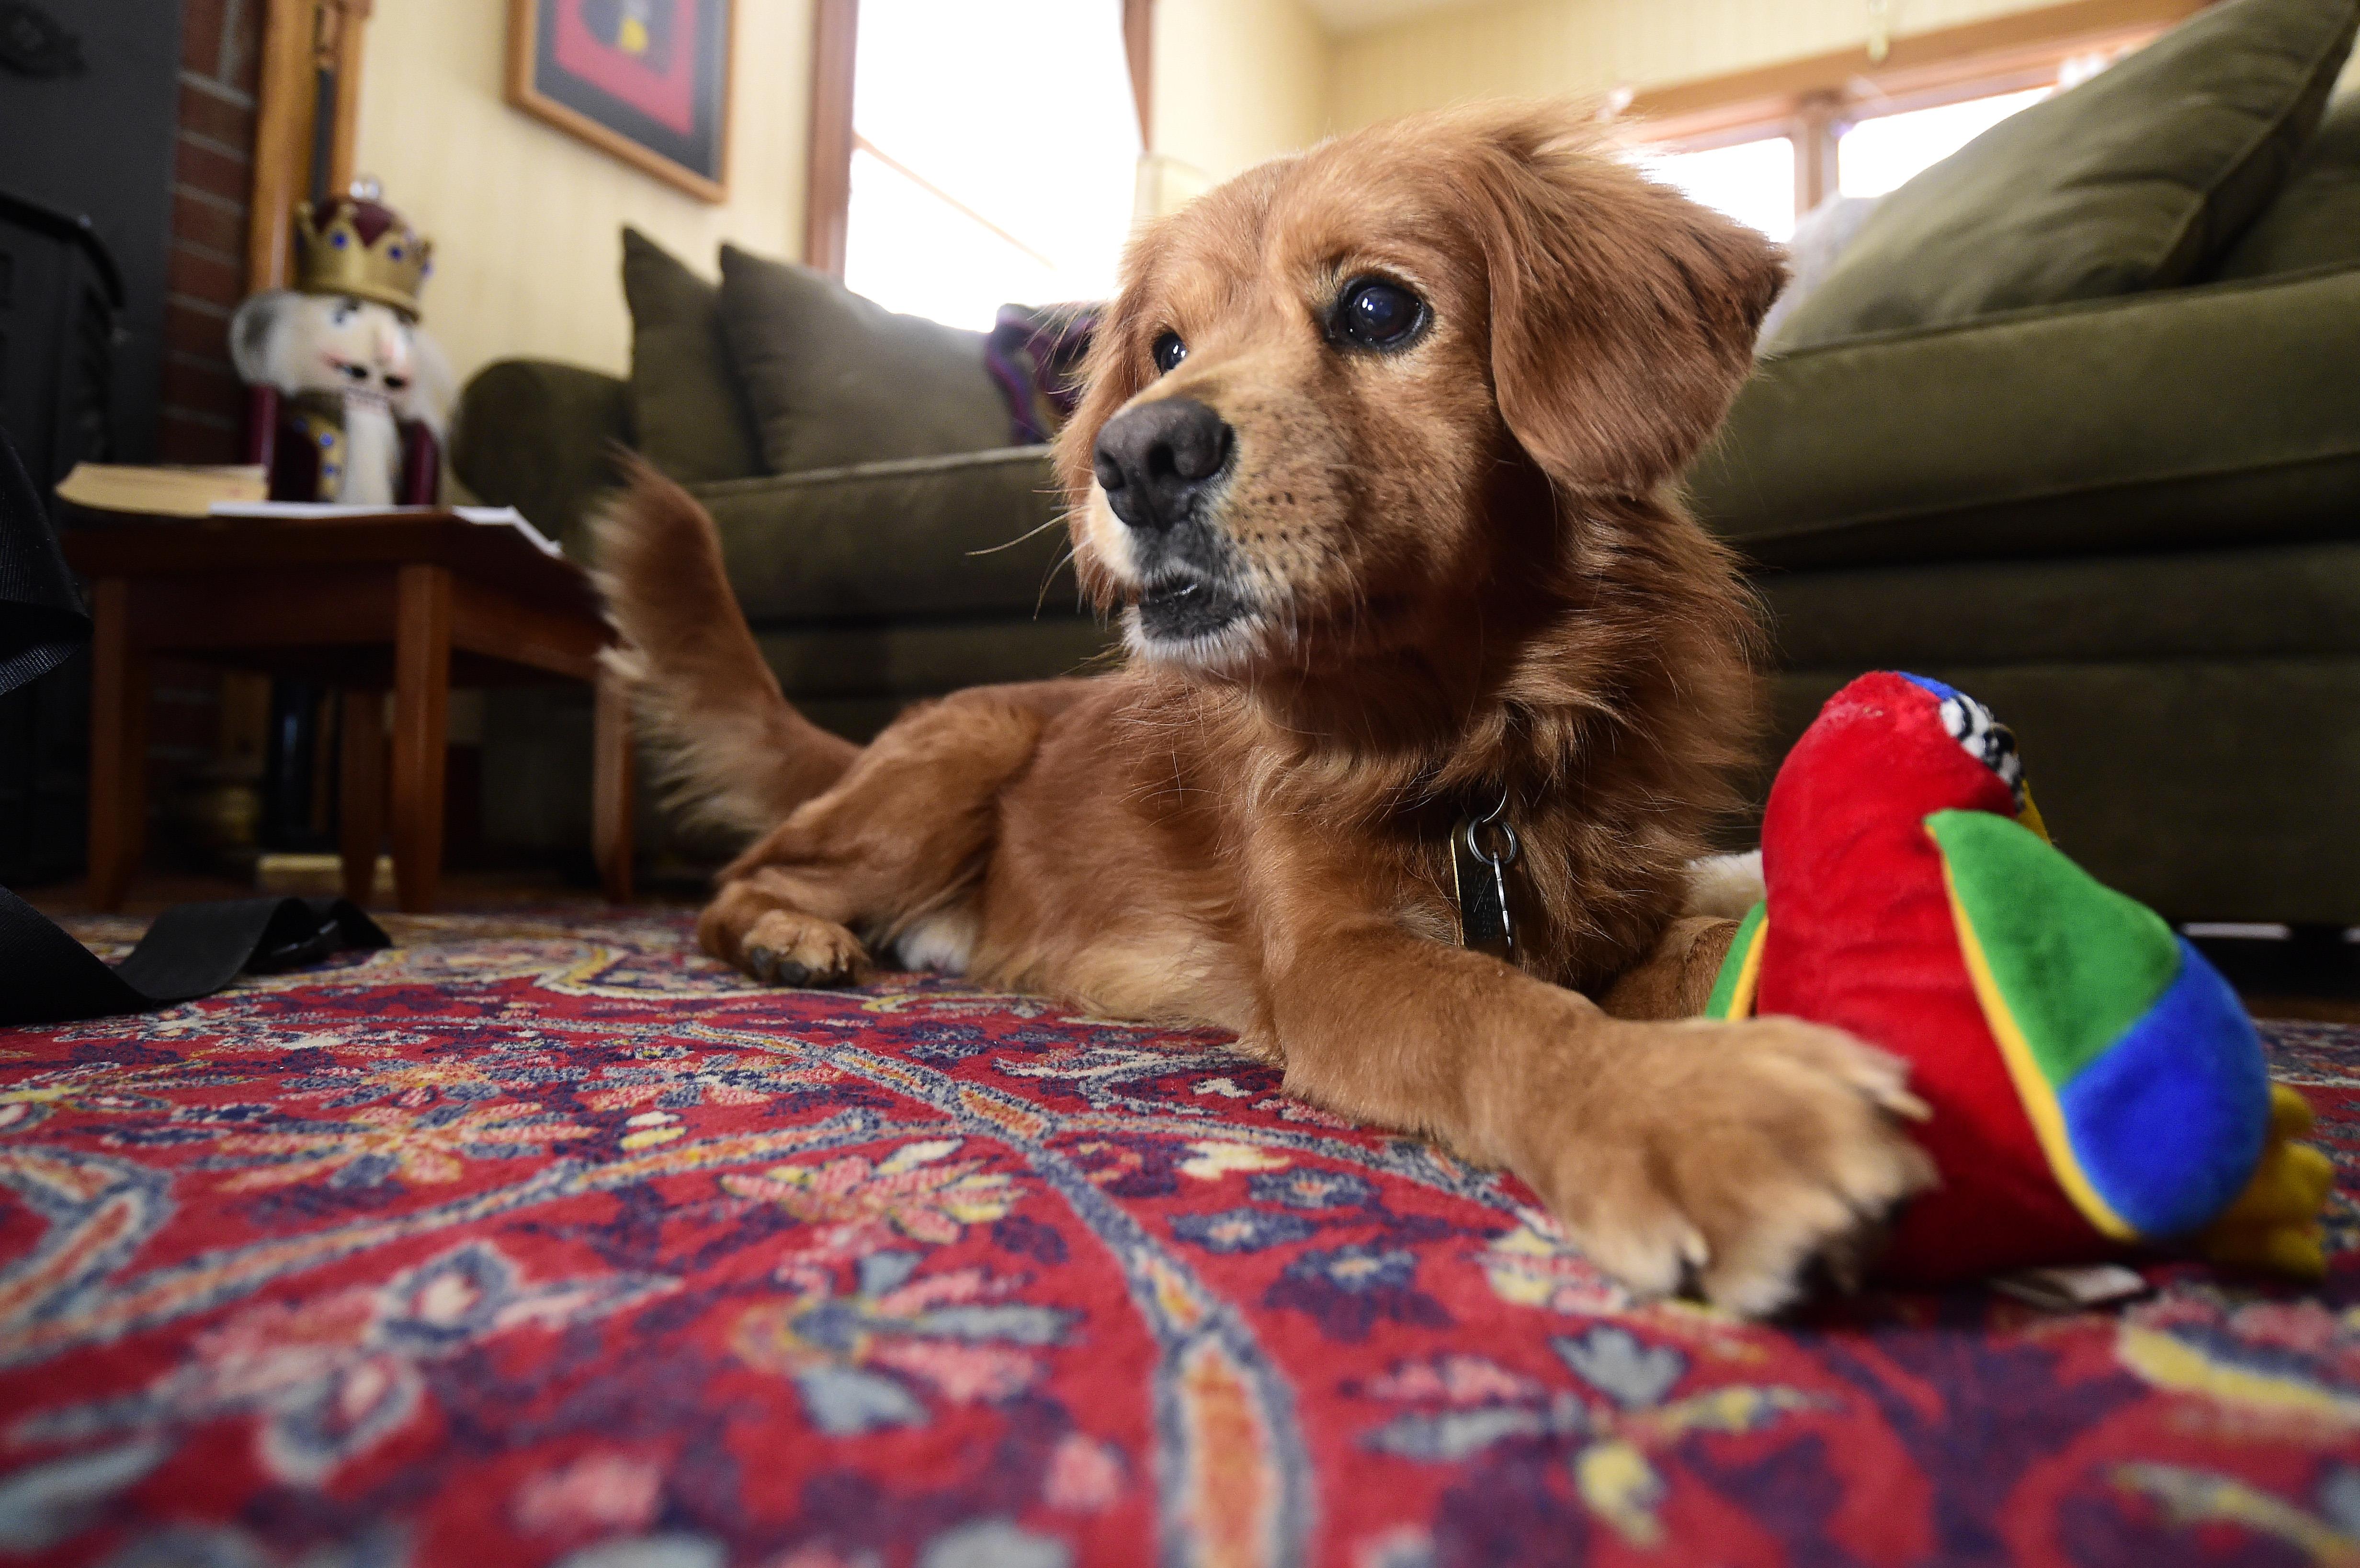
{"x": 191, "y": 949}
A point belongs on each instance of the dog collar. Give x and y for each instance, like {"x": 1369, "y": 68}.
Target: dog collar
{"x": 1481, "y": 851}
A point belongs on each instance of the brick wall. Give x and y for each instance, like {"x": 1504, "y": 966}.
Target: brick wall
{"x": 195, "y": 723}
{"x": 205, "y": 407}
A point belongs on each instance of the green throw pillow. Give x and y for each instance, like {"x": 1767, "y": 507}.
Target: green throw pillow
{"x": 2315, "y": 222}
{"x": 687, "y": 414}
{"x": 2137, "y": 179}
{"x": 835, "y": 379}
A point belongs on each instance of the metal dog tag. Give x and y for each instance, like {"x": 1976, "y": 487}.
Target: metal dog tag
{"x": 1481, "y": 851}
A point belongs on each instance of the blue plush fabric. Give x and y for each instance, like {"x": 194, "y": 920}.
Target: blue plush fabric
{"x": 2167, "y": 1122}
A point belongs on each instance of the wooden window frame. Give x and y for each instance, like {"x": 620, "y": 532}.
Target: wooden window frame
{"x": 836, "y": 44}
{"x": 301, "y": 40}
{"x": 1815, "y": 100}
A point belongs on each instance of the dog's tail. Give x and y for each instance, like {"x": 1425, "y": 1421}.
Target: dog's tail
{"x": 732, "y": 752}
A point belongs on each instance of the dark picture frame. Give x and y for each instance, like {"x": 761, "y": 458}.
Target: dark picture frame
{"x": 647, "y": 80}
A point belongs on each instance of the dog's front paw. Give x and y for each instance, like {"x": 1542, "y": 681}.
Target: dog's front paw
{"x": 786, "y": 948}
{"x": 1732, "y": 1159}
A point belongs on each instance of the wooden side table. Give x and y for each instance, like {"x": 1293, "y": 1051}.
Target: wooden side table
{"x": 407, "y": 602}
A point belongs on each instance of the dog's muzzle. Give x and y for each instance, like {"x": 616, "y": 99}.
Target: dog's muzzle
{"x": 1159, "y": 464}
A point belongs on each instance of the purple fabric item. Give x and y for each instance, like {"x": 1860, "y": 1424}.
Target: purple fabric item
{"x": 1035, "y": 352}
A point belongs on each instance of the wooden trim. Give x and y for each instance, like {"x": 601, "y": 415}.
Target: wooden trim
{"x": 828, "y": 186}
{"x": 1817, "y": 127}
{"x": 1139, "y": 51}
{"x": 282, "y": 143}
{"x": 345, "y": 29}
{"x": 523, "y": 17}
{"x": 1921, "y": 68}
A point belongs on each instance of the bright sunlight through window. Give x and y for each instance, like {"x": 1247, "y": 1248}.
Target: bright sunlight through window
{"x": 1878, "y": 155}
{"x": 994, "y": 154}
{"x": 1753, "y": 181}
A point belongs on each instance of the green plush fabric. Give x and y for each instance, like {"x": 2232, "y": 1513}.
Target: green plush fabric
{"x": 2272, "y": 601}
{"x": 2225, "y": 414}
{"x": 2135, "y": 179}
{"x": 835, "y": 379}
{"x": 2206, "y": 789}
{"x": 689, "y": 414}
{"x": 2077, "y": 963}
{"x": 2315, "y": 222}
{"x": 966, "y": 535}
{"x": 541, "y": 437}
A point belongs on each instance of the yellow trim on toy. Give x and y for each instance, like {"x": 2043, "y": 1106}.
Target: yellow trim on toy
{"x": 1749, "y": 974}
{"x": 2031, "y": 1087}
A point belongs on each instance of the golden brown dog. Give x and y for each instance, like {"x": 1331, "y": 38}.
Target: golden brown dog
{"x": 1372, "y": 462}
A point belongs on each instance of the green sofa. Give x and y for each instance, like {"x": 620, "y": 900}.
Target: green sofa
{"x": 2129, "y": 519}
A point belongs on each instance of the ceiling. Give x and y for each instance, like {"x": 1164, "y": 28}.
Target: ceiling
{"x": 1359, "y": 15}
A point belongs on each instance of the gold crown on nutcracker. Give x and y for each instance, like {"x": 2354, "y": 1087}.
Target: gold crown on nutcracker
{"x": 356, "y": 245}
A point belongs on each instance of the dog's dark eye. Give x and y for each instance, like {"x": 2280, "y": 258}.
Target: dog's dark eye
{"x": 1168, "y": 352}
{"x": 1376, "y": 314}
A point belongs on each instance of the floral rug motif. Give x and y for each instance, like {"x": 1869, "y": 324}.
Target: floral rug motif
{"x": 541, "y": 1239}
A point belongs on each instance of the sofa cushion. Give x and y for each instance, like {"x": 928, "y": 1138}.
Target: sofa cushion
{"x": 2228, "y": 413}
{"x": 689, "y": 417}
{"x": 837, "y": 379}
{"x": 970, "y": 535}
{"x": 2315, "y": 222}
{"x": 2137, "y": 179}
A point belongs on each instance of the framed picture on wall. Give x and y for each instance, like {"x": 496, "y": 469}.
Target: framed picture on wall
{"x": 647, "y": 80}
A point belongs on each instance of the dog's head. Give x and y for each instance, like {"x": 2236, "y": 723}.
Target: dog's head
{"x": 1319, "y": 380}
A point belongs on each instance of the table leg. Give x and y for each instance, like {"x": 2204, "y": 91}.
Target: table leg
{"x": 360, "y": 790}
{"x": 118, "y": 745}
{"x": 610, "y": 787}
{"x": 421, "y": 704}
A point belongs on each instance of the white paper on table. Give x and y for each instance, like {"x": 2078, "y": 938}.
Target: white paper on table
{"x": 298, "y": 511}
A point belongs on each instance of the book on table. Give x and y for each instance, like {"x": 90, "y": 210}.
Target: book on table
{"x": 162, "y": 489}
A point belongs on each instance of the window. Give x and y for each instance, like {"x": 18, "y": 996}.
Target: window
{"x": 1753, "y": 181}
{"x": 1767, "y": 145}
{"x": 995, "y": 146}
{"x": 1878, "y": 155}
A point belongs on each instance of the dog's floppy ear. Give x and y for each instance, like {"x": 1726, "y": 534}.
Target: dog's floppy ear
{"x": 1622, "y": 313}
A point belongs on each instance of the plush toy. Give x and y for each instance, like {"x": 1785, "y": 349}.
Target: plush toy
{"x": 350, "y": 395}
{"x": 2096, "y": 1087}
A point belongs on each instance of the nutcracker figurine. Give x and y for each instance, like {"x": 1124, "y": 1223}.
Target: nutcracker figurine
{"x": 349, "y": 395}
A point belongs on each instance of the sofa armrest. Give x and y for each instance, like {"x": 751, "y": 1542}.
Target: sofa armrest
{"x": 541, "y": 437}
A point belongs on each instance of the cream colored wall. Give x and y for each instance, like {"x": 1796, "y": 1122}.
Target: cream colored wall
{"x": 526, "y": 219}
{"x": 1545, "y": 47}
{"x": 1237, "y": 81}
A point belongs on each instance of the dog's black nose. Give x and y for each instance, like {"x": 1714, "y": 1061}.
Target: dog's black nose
{"x": 1153, "y": 459}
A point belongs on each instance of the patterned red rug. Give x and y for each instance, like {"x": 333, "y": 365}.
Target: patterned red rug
{"x": 543, "y": 1241}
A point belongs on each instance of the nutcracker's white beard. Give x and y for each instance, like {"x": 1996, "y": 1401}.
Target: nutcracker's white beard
{"x": 372, "y": 475}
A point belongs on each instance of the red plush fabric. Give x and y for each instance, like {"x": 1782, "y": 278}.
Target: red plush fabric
{"x": 1861, "y": 936}
{"x": 540, "y": 1240}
